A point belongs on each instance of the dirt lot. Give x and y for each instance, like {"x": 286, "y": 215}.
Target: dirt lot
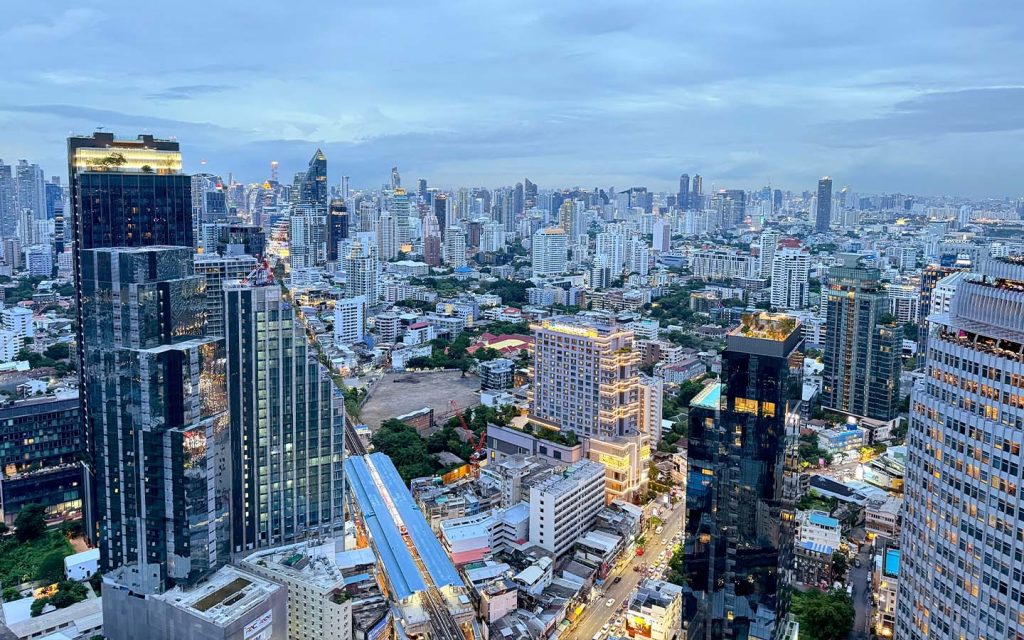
{"x": 401, "y": 393}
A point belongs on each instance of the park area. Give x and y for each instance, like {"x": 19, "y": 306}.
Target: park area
{"x": 401, "y": 393}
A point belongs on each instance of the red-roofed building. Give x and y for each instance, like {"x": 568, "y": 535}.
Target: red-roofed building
{"x": 508, "y": 344}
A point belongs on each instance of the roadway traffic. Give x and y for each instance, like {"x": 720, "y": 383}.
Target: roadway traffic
{"x": 608, "y": 603}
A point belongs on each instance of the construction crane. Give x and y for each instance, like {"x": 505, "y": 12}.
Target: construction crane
{"x": 469, "y": 435}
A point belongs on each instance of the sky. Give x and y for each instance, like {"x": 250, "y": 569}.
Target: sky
{"x": 914, "y": 96}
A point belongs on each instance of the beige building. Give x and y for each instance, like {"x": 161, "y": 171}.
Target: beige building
{"x": 655, "y": 611}
{"x": 626, "y": 460}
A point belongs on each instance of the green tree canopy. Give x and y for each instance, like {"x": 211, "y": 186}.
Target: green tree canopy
{"x": 30, "y": 523}
{"x": 823, "y": 616}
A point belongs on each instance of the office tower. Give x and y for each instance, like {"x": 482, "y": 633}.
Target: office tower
{"x": 400, "y": 212}
{"x": 530, "y": 194}
{"x": 662, "y": 237}
{"x": 862, "y": 344}
{"x": 313, "y": 184}
{"x": 743, "y": 481}
{"x": 454, "y": 248}
{"x": 549, "y": 252}
{"x": 931, "y": 275}
{"x": 54, "y": 197}
{"x": 158, "y": 437}
{"x": 791, "y": 274}
{"x": 286, "y": 425}
{"x": 683, "y": 197}
{"x": 585, "y": 378}
{"x": 349, "y": 320}
{"x": 777, "y": 200}
{"x": 731, "y": 205}
{"x": 345, "y": 187}
{"x": 40, "y": 449}
{"x": 696, "y": 200}
{"x": 767, "y": 243}
{"x": 563, "y": 506}
{"x": 421, "y": 189}
{"x": 30, "y": 188}
{"x": 823, "y": 215}
{"x": 235, "y": 239}
{"x": 337, "y": 227}
{"x": 217, "y": 270}
{"x": 518, "y": 199}
{"x": 961, "y": 536}
{"x": 362, "y": 272}
{"x": 124, "y": 193}
{"x": 441, "y": 212}
{"x": 432, "y": 251}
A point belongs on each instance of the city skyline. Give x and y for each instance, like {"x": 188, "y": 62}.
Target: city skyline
{"x": 752, "y": 96}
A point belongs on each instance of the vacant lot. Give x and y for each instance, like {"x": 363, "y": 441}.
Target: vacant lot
{"x": 401, "y": 393}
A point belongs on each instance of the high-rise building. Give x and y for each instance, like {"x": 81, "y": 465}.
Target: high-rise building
{"x": 662, "y": 237}
{"x": 563, "y": 506}
{"x": 307, "y": 236}
{"x": 742, "y": 480}
{"x": 124, "y": 193}
{"x": 731, "y": 205}
{"x": 54, "y": 197}
{"x": 362, "y": 271}
{"x": 432, "y": 251}
{"x": 767, "y": 244}
{"x": 387, "y": 240}
{"x": 696, "y": 200}
{"x": 441, "y": 212}
{"x": 862, "y": 344}
{"x": 8, "y": 202}
{"x": 401, "y": 214}
{"x": 421, "y": 189}
{"x": 683, "y": 197}
{"x": 454, "y": 248}
{"x": 549, "y": 252}
{"x": 961, "y": 537}
{"x": 396, "y": 179}
{"x": 30, "y": 185}
{"x": 158, "y": 435}
{"x": 349, "y": 320}
{"x": 286, "y": 423}
{"x": 791, "y": 271}
{"x": 217, "y": 270}
{"x": 823, "y": 214}
{"x": 337, "y": 227}
{"x": 313, "y": 189}
{"x": 586, "y": 378}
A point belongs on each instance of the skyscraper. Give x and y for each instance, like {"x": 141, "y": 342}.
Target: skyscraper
{"x": 421, "y": 189}
{"x": 961, "y": 537}
{"x": 742, "y": 483}
{"x": 696, "y": 200}
{"x": 362, "y": 270}
{"x": 31, "y": 189}
{"x": 791, "y": 270}
{"x": 683, "y": 197}
{"x": 441, "y": 212}
{"x": 396, "y": 178}
{"x": 337, "y": 227}
{"x": 585, "y": 378}
{"x": 286, "y": 424}
{"x": 8, "y": 207}
{"x": 823, "y": 215}
{"x": 400, "y": 211}
{"x": 313, "y": 189}
{"x": 862, "y": 344}
{"x": 549, "y": 250}
{"x": 124, "y": 193}
{"x": 158, "y": 427}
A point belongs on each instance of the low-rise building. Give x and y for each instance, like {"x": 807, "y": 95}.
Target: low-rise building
{"x": 496, "y": 374}
{"x": 655, "y": 611}
{"x": 565, "y": 505}
{"x": 882, "y": 517}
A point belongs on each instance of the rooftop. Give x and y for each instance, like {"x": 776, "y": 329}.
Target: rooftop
{"x": 709, "y": 398}
{"x": 224, "y": 596}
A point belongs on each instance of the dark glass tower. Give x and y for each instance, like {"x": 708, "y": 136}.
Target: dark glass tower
{"x": 337, "y": 227}
{"x": 124, "y": 193}
{"x": 683, "y": 198}
{"x": 441, "y": 212}
{"x": 823, "y": 215}
{"x": 743, "y": 480}
{"x": 156, "y": 395}
{"x": 862, "y": 344}
{"x": 313, "y": 187}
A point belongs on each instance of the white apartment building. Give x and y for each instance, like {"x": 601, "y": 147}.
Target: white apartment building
{"x": 549, "y": 248}
{"x": 565, "y": 505}
{"x": 349, "y": 320}
{"x": 791, "y": 271}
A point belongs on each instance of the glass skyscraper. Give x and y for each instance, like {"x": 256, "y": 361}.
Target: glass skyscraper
{"x": 287, "y": 422}
{"x": 158, "y": 427}
{"x": 742, "y": 480}
{"x": 962, "y": 539}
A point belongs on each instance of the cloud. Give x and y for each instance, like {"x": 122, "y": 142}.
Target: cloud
{"x": 187, "y": 92}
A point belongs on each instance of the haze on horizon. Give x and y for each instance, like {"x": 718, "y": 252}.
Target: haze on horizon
{"x": 918, "y": 97}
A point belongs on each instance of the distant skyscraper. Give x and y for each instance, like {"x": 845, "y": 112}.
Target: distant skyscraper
{"x": 362, "y": 271}
{"x": 54, "y": 197}
{"x": 158, "y": 438}
{"x": 454, "y": 247}
{"x": 586, "y": 378}
{"x": 313, "y": 185}
{"x": 421, "y": 189}
{"x": 696, "y": 200}
{"x": 530, "y": 195}
{"x": 337, "y": 227}
{"x": 662, "y": 238}
{"x": 862, "y": 345}
{"x": 286, "y": 423}
{"x": 441, "y": 212}
{"x": 549, "y": 250}
{"x": 742, "y": 482}
{"x": 961, "y": 535}
{"x": 791, "y": 269}
{"x": 8, "y": 200}
{"x": 387, "y": 241}
{"x": 400, "y": 211}
{"x": 823, "y": 215}
{"x": 683, "y": 197}
{"x": 396, "y": 178}
{"x": 31, "y": 189}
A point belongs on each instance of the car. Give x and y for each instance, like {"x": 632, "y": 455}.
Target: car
{"x": 610, "y": 602}
{"x": 617, "y": 580}
{"x": 659, "y": 529}
{"x": 664, "y": 541}
{"x": 856, "y": 563}
{"x": 604, "y": 629}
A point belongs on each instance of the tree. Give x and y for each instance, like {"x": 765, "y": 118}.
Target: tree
{"x": 58, "y": 351}
{"x": 405, "y": 447}
{"x": 31, "y": 523}
{"x": 51, "y": 568}
{"x": 839, "y": 565}
{"x": 823, "y": 616}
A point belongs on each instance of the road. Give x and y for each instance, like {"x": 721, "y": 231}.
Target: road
{"x": 860, "y": 578}
{"x": 596, "y": 614}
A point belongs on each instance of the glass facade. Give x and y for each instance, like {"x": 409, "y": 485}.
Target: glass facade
{"x": 133, "y": 209}
{"x": 742, "y": 479}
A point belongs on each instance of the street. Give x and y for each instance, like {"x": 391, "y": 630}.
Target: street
{"x": 596, "y": 615}
{"x": 860, "y": 578}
